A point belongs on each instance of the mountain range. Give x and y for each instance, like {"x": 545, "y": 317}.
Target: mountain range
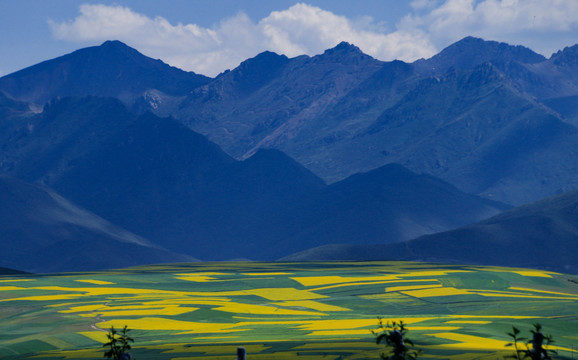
{"x": 541, "y": 234}
{"x": 283, "y": 154}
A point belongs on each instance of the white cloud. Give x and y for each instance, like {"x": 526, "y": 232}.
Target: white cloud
{"x": 301, "y": 29}
{"x": 543, "y": 25}
{"x": 306, "y": 29}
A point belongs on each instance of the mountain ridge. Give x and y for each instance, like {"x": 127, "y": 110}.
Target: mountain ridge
{"x": 44, "y": 232}
{"x": 540, "y": 235}
{"x": 236, "y": 162}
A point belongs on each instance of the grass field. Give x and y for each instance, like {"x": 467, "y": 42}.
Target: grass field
{"x": 284, "y": 310}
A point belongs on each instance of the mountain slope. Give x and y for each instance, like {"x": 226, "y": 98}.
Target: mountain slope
{"x": 474, "y": 130}
{"x": 538, "y": 235}
{"x": 43, "y": 232}
{"x": 456, "y": 116}
{"x": 386, "y": 205}
{"x": 471, "y": 52}
{"x": 111, "y": 69}
{"x": 292, "y": 93}
{"x": 159, "y": 179}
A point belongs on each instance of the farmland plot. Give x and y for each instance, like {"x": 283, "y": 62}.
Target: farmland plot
{"x": 284, "y": 310}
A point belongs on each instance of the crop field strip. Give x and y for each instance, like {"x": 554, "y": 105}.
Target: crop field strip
{"x": 283, "y": 310}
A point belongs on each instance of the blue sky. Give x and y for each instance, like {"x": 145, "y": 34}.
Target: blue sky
{"x": 210, "y": 36}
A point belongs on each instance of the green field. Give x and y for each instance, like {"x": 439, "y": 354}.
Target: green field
{"x": 284, "y": 310}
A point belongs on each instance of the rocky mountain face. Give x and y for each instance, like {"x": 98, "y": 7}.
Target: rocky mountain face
{"x": 112, "y": 69}
{"x": 237, "y": 166}
{"x": 493, "y": 119}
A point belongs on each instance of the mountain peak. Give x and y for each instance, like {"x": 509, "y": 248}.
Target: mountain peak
{"x": 111, "y": 69}
{"x": 345, "y": 53}
{"x": 568, "y": 56}
{"x": 114, "y": 48}
{"x": 343, "y": 48}
{"x": 113, "y": 43}
{"x": 470, "y": 52}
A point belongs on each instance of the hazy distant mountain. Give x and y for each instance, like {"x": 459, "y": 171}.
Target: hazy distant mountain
{"x": 5, "y": 271}
{"x": 156, "y": 177}
{"x": 44, "y": 232}
{"x": 112, "y": 69}
{"x": 385, "y": 205}
{"x": 160, "y": 180}
{"x": 542, "y": 234}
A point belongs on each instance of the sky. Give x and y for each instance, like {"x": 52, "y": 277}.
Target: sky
{"x": 210, "y": 36}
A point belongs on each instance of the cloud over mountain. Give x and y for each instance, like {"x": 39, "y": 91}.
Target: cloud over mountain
{"x": 307, "y": 29}
{"x": 300, "y": 29}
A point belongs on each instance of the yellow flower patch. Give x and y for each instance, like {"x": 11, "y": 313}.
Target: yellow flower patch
{"x": 96, "y": 282}
{"x": 435, "y": 292}
{"x": 534, "y": 273}
{"x": 280, "y": 294}
{"x": 45, "y": 298}
{"x": 154, "y": 323}
{"x": 315, "y": 305}
{"x": 364, "y": 332}
{"x": 492, "y": 317}
{"x": 84, "y": 308}
{"x": 98, "y": 336}
{"x": 266, "y": 273}
{"x": 199, "y": 277}
{"x": 328, "y": 280}
{"x": 469, "y": 342}
{"x": 168, "y": 310}
{"x": 11, "y": 288}
{"x": 347, "y": 324}
{"x": 412, "y": 287}
{"x": 543, "y": 291}
{"x": 263, "y": 310}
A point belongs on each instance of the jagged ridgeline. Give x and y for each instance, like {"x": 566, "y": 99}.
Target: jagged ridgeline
{"x": 284, "y": 154}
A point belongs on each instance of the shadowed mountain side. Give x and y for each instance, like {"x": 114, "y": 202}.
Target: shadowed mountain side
{"x": 111, "y": 69}
{"x": 5, "y": 271}
{"x": 43, "y": 232}
{"x": 385, "y": 205}
{"x": 161, "y": 180}
{"x": 540, "y": 235}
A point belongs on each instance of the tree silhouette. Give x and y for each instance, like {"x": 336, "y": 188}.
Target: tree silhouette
{"x": 393, "y": 335}
{"x": 118, "y": 344}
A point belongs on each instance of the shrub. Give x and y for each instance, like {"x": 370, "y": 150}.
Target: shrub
{"x": 539, "y": 342}
{"x": 393, "y": 335}
{"x": 118, "y": 344}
